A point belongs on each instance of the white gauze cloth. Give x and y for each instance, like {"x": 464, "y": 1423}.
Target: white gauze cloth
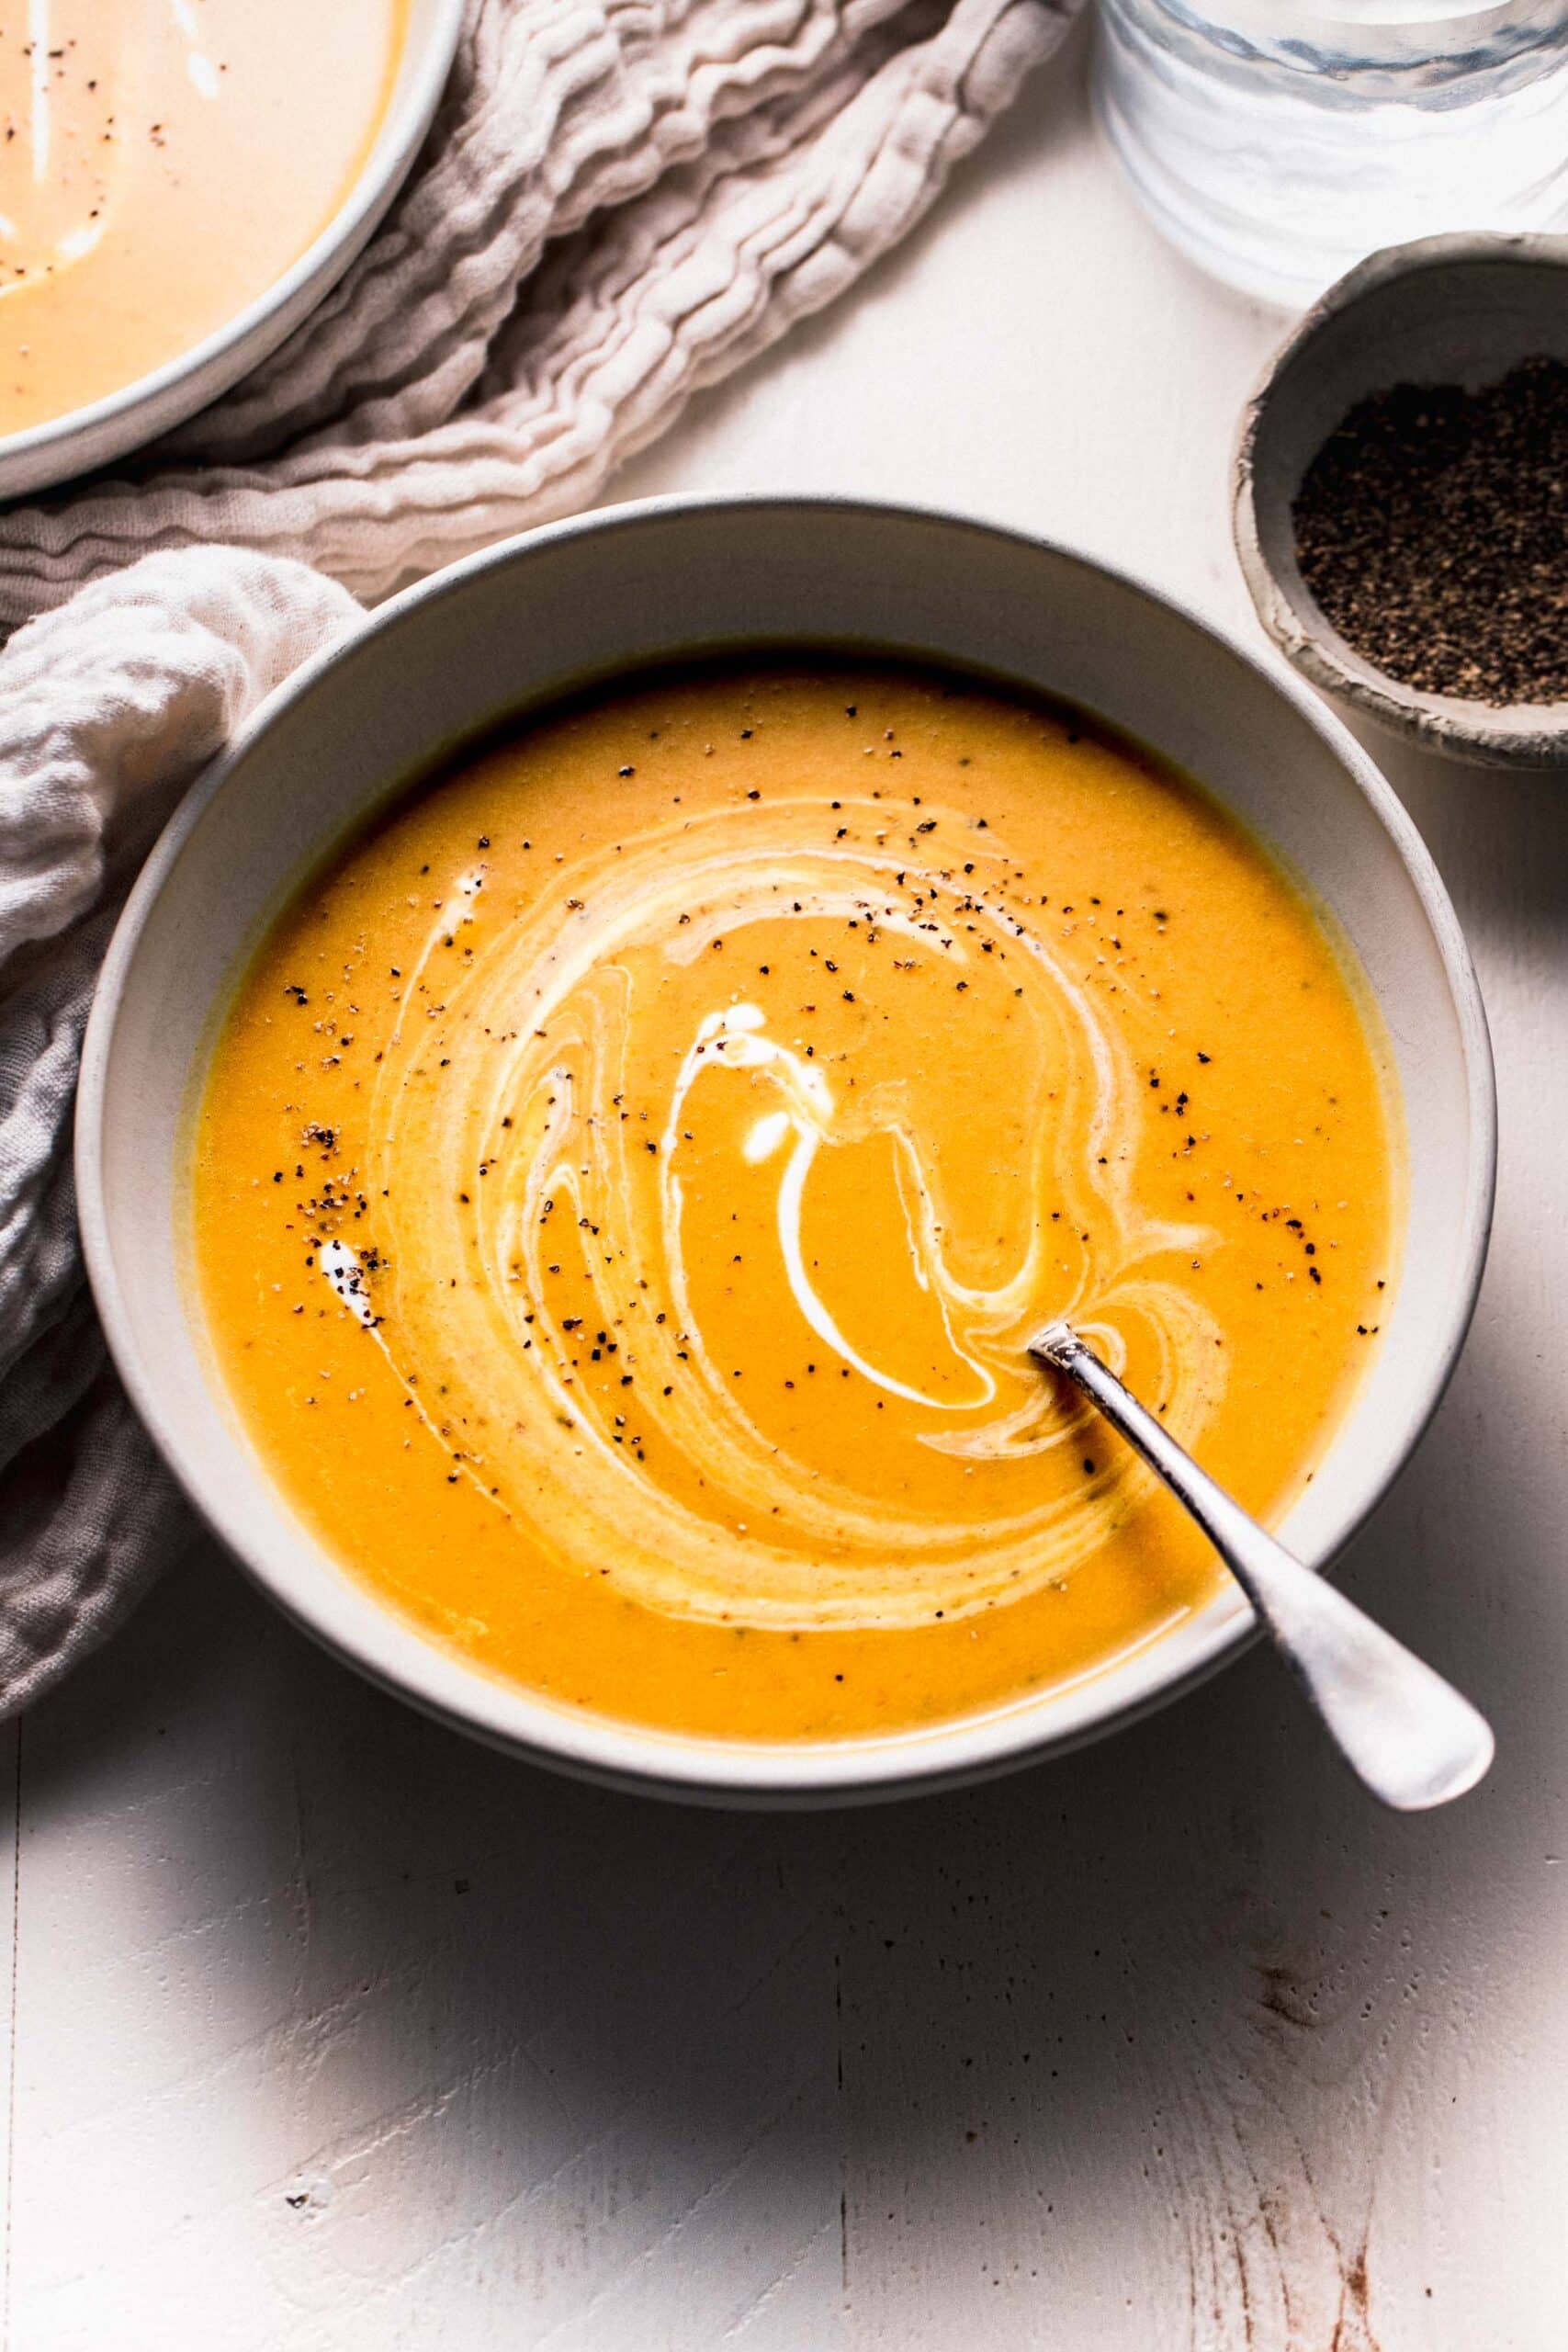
{"x": 618, "y": 204}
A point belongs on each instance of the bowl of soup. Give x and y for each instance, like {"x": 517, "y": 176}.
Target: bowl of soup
{"x": 591, "y": 1095}
{"x": 184, "y": 183}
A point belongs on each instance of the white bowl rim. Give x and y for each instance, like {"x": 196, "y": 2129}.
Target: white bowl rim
{"x": 387, "y": 164}
{"x": 684, "y": 1768}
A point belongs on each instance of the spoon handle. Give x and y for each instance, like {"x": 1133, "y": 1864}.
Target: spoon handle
{"x": 1405, "y": 1733}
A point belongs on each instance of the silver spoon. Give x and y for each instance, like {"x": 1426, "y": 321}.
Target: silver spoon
{"x": 1402, "y": 1729}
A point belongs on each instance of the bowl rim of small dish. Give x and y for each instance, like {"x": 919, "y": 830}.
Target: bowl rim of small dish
{"x": 1486, "y": 734}
{"x": 109, "y": 426}
{"x": 954, "y": 1751}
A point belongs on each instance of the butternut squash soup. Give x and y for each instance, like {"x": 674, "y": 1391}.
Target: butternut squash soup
{"x": 162, "y": 163}
{"x": 628, "y": 1179}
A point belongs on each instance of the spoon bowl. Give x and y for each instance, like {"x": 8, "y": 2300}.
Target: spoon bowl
{"x": 1407, "y": 1733}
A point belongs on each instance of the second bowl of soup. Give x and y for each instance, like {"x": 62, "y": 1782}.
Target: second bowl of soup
{"x": 184, "y": 183}
{"x": 578, "y": 1238}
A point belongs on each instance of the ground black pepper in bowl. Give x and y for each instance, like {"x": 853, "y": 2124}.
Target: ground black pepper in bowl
{"x": 1432, "y": 530}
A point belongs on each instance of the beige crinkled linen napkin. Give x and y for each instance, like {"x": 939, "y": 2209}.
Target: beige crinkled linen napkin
{"x": 619, "y": 202}
{"x": 617, "y": 205}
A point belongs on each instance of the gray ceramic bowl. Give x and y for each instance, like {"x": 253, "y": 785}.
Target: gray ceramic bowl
{"x": 1447, "y": 309}
{"x": 155, "y": 404}
{"x": 634, "y": 585}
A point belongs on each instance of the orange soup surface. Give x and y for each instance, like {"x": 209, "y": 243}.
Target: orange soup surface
{"x": 630, "y": 1176}
{"x": 162, "y": 163}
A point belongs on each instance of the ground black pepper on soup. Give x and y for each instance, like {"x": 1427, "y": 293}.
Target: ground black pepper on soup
{"x": 629, "y": 1174}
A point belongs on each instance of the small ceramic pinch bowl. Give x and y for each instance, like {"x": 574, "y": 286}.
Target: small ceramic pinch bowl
{"x": 585, "y": 600}
{"x": 1446, "y": 310}
{"x": 111, "y": 427}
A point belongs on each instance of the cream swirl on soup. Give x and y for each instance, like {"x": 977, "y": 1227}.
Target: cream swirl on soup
{"x": 631, "y": 1175}
{"x": 575, "y": 1098}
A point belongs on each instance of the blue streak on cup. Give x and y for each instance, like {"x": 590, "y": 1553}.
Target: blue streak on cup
{"x": 1278, "y": 144}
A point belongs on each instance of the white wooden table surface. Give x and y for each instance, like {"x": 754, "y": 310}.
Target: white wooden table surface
{"x": 329, "y": 2031}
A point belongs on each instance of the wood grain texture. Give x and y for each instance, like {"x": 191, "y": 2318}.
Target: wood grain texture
{"x": 334, "y": 2033}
